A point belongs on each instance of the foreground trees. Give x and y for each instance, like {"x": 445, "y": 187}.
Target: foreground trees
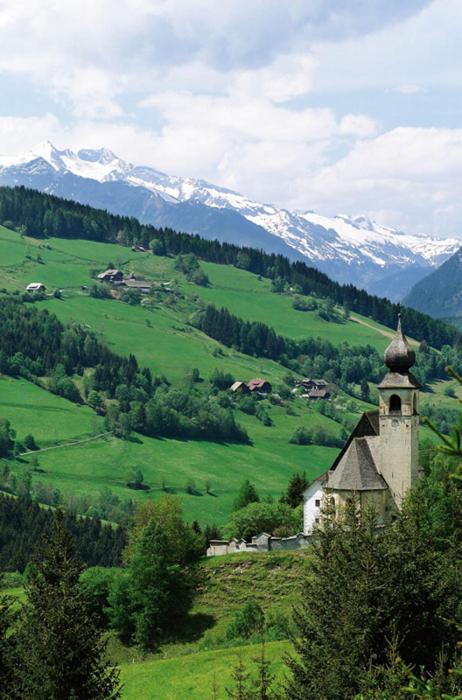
{"x": 148, "y": 601}
{"x": 372, "y": 596}
{"x": 60, "y": 653}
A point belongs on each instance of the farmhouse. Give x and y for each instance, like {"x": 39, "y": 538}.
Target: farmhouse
{"x": 138, "y": 285}
{"x": 111, "y": 276}
{"x": 316, "y": 393}
{"x": 35, "y": 287}
{"x": 260, "y": 386}
{"x": 379, "y": 462}
{"x": 309, "y": 384}
{"x": 239, "y": 388}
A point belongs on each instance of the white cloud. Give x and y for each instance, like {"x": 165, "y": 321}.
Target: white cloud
{"x": 409, "y": 178}
{"x": 243, "y": 93}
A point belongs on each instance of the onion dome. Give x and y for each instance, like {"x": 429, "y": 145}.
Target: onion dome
{"x": 399, "y": 356}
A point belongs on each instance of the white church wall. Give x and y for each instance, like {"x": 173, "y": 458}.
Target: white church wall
{"x": 312, "y": 503}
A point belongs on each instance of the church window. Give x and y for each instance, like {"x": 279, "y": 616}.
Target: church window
{"x": 395, "y": 404}
{"x": 317, "y": 503}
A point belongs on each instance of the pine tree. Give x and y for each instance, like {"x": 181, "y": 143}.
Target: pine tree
{"x": 364, "y": 588}
{"x": 241, "y": 689}
{"x": 60, "y": 649}
{"x": 246, "y": 494}
{"x": 295, "y": 489}
{"x": 7, "y": 648}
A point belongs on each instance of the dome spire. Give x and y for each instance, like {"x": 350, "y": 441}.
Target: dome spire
{"x": 399, "y": 356}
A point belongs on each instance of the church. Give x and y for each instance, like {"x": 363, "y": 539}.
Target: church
{"x": 380, "y": 460}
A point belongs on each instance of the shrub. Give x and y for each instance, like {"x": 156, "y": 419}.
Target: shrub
{"x": 248, "y": 621}
{"x": 29, "y": 443}
{"x": 262, "y": 517}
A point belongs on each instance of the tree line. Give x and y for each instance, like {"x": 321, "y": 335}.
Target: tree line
{"x": 35, "y": 345}
{"x": 343, "y": 364}
{"x": 23, "y": 524}
{"x": 41, "y": 215}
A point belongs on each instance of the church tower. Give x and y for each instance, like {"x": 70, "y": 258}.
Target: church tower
{"x": 398, "y": 458}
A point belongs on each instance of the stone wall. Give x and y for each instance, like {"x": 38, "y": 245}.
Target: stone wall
{"x": 262, "y": 543}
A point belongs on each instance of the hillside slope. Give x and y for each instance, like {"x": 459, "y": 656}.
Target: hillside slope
{"x": 440, "y": 293}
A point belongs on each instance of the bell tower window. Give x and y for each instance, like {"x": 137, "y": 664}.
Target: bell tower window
{"x": 395, "y": 404}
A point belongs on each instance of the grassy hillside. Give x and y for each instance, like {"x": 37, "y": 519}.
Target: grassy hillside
{"x": 192, "y": 677}
{"x": 187, "y": 669}
{"x": 88, "y": 467}
{"x": 161, "y": 338}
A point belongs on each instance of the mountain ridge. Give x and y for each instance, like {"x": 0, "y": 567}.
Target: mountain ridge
{"x": 350, "y": 249}
{"x": 439, "y": 294}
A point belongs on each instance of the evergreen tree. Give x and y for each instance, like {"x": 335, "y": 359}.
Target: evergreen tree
{"x": 246, "y": 494}
{"x": 60, "y": 649}
{"x": 364, "y": 588}
{"x": 295, "y": 489}
{"x": 365, "y": 391}
{"x": 241, "y": 689}
{"x": 7, "y": 648}
{"x": 156, "y": 593}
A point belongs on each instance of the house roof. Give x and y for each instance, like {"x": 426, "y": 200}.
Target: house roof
{"x": 357, "y": 470}
{"x": 109, "y": 273}
{"x": 318, "y": 393}
{"x": 257, "y": 383}
{"x": 137, "y": 284}
{"x": 237, "y": 385}
{"x": 367, "y": 426}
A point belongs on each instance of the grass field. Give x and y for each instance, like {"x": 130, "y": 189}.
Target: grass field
{"x": 192, "y": 677}
{"x": 89, "y": 467}
{"x": 49, "y": 418}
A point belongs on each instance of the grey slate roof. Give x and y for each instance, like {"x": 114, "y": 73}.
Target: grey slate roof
{"x": 367, "y": 425}
{"x": 357, "y": 470}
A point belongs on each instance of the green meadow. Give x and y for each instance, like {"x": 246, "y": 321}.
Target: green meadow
{"x": 89, "y": 467}
{"x": 193, "y": 676}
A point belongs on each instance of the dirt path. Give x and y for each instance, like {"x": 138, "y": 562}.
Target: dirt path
{"x": 387, "y": 334}
{"x": 66, "y": 444}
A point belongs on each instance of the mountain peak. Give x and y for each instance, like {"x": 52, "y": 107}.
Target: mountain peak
{"x": 97, "y": 155}
{"x": 351, "y": 248}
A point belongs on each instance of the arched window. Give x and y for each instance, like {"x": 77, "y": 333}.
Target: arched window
{"x": 414, "y": 404}
{"x": 395, "y": 404}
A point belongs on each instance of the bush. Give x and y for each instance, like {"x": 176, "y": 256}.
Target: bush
{"x": 248, "y": 621}
{"x": 29, "y": 443}
{"x": 221, "y": 380}
{"x": 304, "y": 303}
{"x": 100, "y": 291}
{"x": 131, "y": 296}
{"x": 262, "y": 517}
{"x": 247, "y": 405}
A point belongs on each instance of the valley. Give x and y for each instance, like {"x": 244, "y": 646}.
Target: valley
{"x": 158, "y": 333}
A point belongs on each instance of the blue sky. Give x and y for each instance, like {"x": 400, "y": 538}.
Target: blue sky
{"x": 334, "y": 105}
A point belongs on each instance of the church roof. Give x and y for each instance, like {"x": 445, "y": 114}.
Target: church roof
{"x": 356, "y": 470}
{"x": 399, "y": 356}
{"x": 368, "y": 425}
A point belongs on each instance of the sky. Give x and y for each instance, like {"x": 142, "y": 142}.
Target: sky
{"x": 337, "y": 106}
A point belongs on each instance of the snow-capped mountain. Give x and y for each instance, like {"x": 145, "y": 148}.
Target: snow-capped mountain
{"x": 356, "y": 250}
